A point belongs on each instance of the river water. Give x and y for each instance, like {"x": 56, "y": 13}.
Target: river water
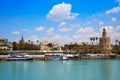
{"x": 60, "y": 70}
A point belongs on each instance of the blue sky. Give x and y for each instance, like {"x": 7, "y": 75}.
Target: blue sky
{"x": 61, "y": 21}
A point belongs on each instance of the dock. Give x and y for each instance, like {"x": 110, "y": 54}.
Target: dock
{"x": 40, "y": 55}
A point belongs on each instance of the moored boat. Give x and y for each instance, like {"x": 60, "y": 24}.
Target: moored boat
{"x": 19, "y": 58}
{"x": 65, "y": 57}
{"x": 53, "y": 57}
{"x": 112, "y": 56}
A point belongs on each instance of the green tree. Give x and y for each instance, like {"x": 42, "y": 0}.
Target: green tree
{"x": 15, "y": 46}
{"x": 84, "y": 47}
{"x": 76, "y": 48}
{"x": 50, "y": 45}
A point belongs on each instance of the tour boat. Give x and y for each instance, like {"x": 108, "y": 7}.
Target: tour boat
{"x": 19, "y": 58}
{"x": 56, "y": 57}
{"x": 53, "y": 57}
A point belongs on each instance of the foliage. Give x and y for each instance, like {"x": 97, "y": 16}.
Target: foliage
{"x": 24, "y": 46}
{"x": 50, "y": 45}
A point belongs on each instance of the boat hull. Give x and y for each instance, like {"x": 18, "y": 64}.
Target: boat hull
{"x": 18, "y": 59}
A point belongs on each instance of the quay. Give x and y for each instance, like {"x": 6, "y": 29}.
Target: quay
{"x": 40, "y": 55}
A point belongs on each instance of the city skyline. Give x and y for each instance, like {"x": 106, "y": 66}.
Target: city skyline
{"x": 61, "y": 21}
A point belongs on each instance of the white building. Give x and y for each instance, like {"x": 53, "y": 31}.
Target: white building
{"x": 5, "y": 45}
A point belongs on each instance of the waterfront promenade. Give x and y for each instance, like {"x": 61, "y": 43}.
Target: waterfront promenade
{"x": 40, "y": 55}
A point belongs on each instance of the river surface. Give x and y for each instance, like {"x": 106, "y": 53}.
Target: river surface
{"x": 60, "y": 70}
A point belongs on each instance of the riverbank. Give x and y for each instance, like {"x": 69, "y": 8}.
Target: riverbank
{"x": 68, "y": 57}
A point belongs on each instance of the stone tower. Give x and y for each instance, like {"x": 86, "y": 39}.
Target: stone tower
{"x": 104, "y": 43}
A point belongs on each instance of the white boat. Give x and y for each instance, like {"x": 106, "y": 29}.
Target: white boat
{"x": 19, "y": 58}
{"x": 56, "y": 56}
{"x": 65, "y": 57}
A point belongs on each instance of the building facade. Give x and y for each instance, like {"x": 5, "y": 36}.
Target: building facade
{"x": 48, "y": 46}
{"x": 5, "y": 45}
{"x": 104, "y": 43}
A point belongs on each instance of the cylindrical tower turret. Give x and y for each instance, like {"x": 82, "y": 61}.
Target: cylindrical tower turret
{"x": 104, "y": 32}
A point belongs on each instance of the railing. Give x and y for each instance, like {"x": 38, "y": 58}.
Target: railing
{"x": 33, "y": 51}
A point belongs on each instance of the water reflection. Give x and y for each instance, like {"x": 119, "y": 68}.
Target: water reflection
{"x": 106, "y": 70}
{"x": 60, "y": 70}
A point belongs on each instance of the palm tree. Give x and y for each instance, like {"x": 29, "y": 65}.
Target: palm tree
{"x": 28, "y": 41}
{"x": 116, "y": 41}
{"x": 119, "y": 43}
{"x": 37, "y": 44}
{"x": 96, "y": 39}
{"x": 37, "y": 41}
{"x": 91, "y": 39}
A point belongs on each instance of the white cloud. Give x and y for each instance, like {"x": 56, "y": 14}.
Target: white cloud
{"x": 34, "y": 38}
{"x": 84, "y": 34}
{"x": 15, "y": 32}
{"x": 85, "y": 30}
{"x": 101, "y": 23}
{"x": 63, "y": 23}
{"x": 50, "y": 31}
{"x": 75, "y": 26}
{"x": 113, "y": 10}
{"x": 64, "y": 29}
{"x": 113, "y": 19}
{"x": 61, "y": 39}
{"x": 117, "y": 29}
{"x": 61, "y": 12}
{"x": 40, "y": 28}
{"x": 81, "y": 35}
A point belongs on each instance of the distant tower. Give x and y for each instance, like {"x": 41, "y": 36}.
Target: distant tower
{"x": 22, "y": 40}
{"x": 21, "y": 43}
{"x": 105, "y": 44}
